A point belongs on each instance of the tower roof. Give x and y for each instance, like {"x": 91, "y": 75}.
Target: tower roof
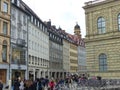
{"x": 77, "y": 26}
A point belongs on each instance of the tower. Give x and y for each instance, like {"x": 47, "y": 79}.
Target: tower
{"x": 77, "y": 30}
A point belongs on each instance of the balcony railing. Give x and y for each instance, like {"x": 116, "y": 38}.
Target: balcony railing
{"x": 21, "y": 42}
{"x": 18, "y": 62}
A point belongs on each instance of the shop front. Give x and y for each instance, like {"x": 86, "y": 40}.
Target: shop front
{"x": 18, "y": 74}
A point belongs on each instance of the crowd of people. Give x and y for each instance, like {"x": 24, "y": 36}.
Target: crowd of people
{"x": 45, "y": 83}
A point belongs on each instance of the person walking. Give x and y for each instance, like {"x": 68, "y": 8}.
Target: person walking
{"x": 21, "y": 85}
{"x": 16, "y": 84}
{"x": 1, "y": 85}
{"x": 51, "y": 84}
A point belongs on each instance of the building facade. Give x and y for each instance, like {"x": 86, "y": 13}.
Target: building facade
{"x": 82, "y": 65}
{"x": 55, "y": 52}
{"x": 38, "y": 47}
{"x": 66, "y": 56}
{"x": 4, "y": 39}
{"x": 19, "y": 46}
{"x": 73, "y": 58}
{"x": 81, "y": 50}
{"x": 38, "y": 51}
{"x": 103, "y": 38}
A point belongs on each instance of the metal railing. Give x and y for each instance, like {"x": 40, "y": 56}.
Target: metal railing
{"x": 91, "y": 85}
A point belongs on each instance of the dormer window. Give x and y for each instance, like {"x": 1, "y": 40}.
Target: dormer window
{"x": 31, "y": 18}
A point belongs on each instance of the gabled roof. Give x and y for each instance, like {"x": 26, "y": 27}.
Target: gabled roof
{"x": 77, "y": 40}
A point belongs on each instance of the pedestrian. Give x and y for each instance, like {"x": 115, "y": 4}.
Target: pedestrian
{"x": 46, "y": 81}
{"x": 16, "y": 84}
{"x": 21, "y": 85}
{"x": 1, "y": 85}
{"x": 51, "y": 84}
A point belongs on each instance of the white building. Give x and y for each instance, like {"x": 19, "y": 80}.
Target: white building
{"x": 38, "y": 47}
{"x": 18, "y": 52}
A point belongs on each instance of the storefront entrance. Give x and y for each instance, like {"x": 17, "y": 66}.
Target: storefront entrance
{"x": 3, "y": 73}
{"x": 18, "y": 74}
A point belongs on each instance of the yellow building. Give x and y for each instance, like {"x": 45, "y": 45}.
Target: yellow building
{"x": 4, "y": 39}
{"x": 103, "y": 38}
{"x": 73, "y": 58}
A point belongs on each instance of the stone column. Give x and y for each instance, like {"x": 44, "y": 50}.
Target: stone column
{"x": 44, "y": 73}
{"x": 55, "y": 75}
{"x": 33, "y": 73}
{"x": 39, "y": 73}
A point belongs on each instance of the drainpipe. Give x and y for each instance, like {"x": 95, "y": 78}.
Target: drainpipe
{"x": 27, "y": 51}
{"x": 10, "y": 53}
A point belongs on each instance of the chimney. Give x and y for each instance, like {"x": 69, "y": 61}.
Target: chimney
{"x": 49, "y": 23}
{"x": 53, "y": 26}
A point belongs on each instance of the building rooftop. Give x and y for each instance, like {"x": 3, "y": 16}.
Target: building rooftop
{"x": 93, "y": 2}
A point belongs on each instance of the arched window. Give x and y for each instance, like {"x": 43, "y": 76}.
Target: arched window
{"x": 101, "y": 25}
{"x": 119, "y": 22}
{"x": 102, "y": 62}
{"x": 4, "y": 51}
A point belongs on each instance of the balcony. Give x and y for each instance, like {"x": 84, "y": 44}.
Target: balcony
{"x": 21, "y": 42}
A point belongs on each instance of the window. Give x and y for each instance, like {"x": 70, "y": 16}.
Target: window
{"x": 5, "y": 7}
{"x": 24, "y": 35}
{"x": 102, "y": 62}
{"x": 19, "y": 34}
{"x": 13, "y": 14}
{"x": 0, "y": 5}
{"x": 13, "y": 31}
{"x": 24, "y": 20}
{"x": 31, "y": 18}
{"x": 119, "y": 22}
{"x": 5, "y": 27}
{"x": 22, "y": 57}
{"x": 101, "y": 25}
{"x": 4, "y": 51}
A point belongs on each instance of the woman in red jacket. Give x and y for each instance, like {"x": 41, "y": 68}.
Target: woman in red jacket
{"x": 51, "y": 84}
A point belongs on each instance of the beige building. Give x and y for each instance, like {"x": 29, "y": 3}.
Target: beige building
{"x": 4, "y": 39}
{"x": 103, "y": 38}
{"x": 73, "y": 58}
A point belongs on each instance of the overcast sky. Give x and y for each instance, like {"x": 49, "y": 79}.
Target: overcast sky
{"x": 63, "y": 13}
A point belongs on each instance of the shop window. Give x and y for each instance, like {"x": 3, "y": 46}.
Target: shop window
{"x": 4, "y": 51}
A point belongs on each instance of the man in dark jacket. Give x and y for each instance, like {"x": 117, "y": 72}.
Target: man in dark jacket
{"x": 16, "y": 84}
{"x": 1, "y": 85}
